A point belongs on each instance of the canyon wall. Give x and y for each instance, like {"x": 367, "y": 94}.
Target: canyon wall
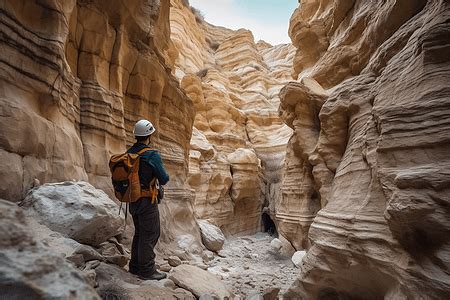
{"x": 366, "y": 186}
{"x": 75, "y": 77}
{"x": 239, "y": 141}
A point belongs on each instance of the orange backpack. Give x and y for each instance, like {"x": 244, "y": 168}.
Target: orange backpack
{"x": 125, "y": 178}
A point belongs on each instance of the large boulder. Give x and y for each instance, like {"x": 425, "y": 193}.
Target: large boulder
{"x": 282, "y": 246}
{"x": 64, "y": 246}
{"x": 199, "y": 282}
{"x": 75, "y": 209}
{"x": 212, "y": 236}
{"x": 31, "y": 270}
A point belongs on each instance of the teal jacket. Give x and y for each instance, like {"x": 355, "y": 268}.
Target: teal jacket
{"x": 150, "y": 165}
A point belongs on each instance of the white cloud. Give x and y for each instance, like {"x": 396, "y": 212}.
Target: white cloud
{"x": 224, "y": 13}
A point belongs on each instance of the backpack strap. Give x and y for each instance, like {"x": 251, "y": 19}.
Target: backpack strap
{"x": 142, "y": 151}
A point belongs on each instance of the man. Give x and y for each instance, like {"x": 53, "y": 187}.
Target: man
{"x": 145, "y": 213}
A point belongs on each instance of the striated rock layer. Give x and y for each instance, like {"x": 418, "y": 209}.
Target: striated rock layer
{"x": 75, "y": 77}
{"x": 239, "y": 141}
{"x": 366, "y": 184}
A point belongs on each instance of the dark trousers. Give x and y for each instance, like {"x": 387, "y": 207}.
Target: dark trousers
{"x": 146, "y": 235}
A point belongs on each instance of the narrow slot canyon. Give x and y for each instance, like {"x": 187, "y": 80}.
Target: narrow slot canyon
{"x": 316, "y": 169}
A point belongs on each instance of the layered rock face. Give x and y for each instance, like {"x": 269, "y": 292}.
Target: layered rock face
{"x": 77, "y": 80}
{"x": 75, "y": 77}
{"x": 366, "y": 185}
{"x": 239, "y": 141}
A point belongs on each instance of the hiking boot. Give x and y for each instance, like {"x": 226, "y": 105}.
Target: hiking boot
{"x": 155, "y": 276}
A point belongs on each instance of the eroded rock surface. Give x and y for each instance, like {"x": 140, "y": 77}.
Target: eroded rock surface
{"x": 249, "y": 264}
{"x": 199, "y": 282}
{"x": 212, "y": 236}
{"x": 31, "y": 270}
{"x": 365, "y": 178}
{"x": 75, "y": 76}
{"x": 77, "y": 210}
{"x": 239, "y": 141}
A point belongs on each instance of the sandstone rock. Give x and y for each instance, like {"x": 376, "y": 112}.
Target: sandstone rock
{"x": 199, "y": 282}
{"x": 235, "y": 94}
{"x": 207, "y": 256}
{"x": 166, "y": 283}
{"x": 255, "y": 295}
{"x": 271, "y": 293}
{"x": 114, "y": 253}
{"x": 218, "y": 272}
{"x": 199, "y": 265}
{"x": 90, "y": 277}
{"x": 174, "y": 261}
{"x": 165, "y": 268}
{"x": 64, "y": 246}
{"x": 30, "y": 270}
{"x": 75, "y": 82}
{"x": 366, "y": 164}
{"x": 212, "y": 236}
{"x": 287, "y": 249}
{"x": 75, "y": 209}
{"x": 115, "y": 282}
{"x": 276, "y": 244}
{"x": 297, "y": 258}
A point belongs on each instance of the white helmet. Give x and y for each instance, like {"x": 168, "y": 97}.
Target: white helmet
{"x": 143, "y": 128}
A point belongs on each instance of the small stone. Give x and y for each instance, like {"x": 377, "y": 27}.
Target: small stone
{"x": 168, "y": 283}
{"x": 174, "y": 261}
{"x": 207, "y": 256}
{"x": 222, "y": 254}
{"x": 165, "y": 267}
{"x": 92, "y": 264}
{"x": 276, "y": 244}
{"x": 182, "y": 254}
{"x": 254, "y": 295}
{"x": 271, "y": 293}
{"x": 90, "y": 277}
{"x": 77, "y": 260}
{"x": 36, "y": 183}
{"x": 297, "y": 258}
{"x": 200, "y": 265}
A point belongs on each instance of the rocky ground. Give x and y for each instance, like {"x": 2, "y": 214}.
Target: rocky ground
{"x": 68, "y": 259}
{"x": 250, "y": 265}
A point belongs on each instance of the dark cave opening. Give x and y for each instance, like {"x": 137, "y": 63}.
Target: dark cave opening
{"x": 268, "y": 224}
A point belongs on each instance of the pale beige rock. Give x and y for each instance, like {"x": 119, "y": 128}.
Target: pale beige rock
{"x": 72, "y": 85}
{"x": 75, "y": 209}
{"x": 297, "y": 258}
{"x": 199, "y": 282}
{"x": 235, "y": 94}
{"x": 174, "y": 261}
{"x": 31, "y": 270}
{"x": 212, "y": 236}
{"x": 366, "y": 177}
{"x": 115, "y": 282}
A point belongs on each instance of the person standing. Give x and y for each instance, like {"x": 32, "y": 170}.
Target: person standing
{"x": 144, "y": 211}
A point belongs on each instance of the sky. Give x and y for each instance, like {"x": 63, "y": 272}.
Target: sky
{"x": 267, "y": 19}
